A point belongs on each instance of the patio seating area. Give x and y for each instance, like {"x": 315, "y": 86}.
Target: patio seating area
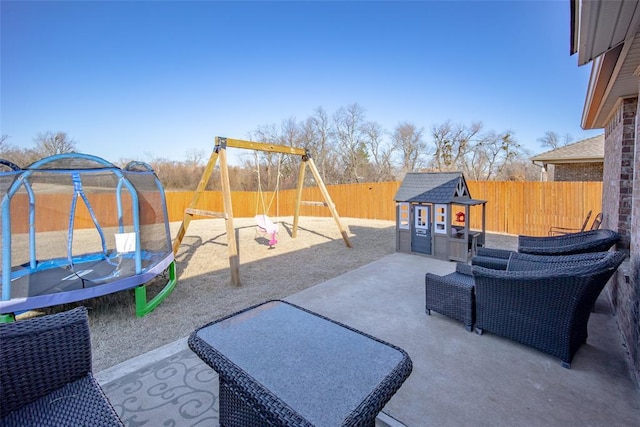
{"x": 541, "y": 301}
{"x": 458, "y": 378}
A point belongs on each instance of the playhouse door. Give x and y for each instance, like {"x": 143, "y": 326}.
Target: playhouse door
{"x": 421, "y": 230}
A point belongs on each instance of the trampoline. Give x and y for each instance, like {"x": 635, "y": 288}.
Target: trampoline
{"x": 75, "y": 226}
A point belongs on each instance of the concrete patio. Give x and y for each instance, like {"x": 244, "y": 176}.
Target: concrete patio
{"x": 458, "y": 378}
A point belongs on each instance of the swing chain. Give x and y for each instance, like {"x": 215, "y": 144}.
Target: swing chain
{"x": 265, "y": 208}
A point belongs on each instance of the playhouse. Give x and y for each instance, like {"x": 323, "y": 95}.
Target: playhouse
{"x": 433, "y": 216}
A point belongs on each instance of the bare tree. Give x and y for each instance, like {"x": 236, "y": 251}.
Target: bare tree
{"x": 452, "y": 144}
{"x": 195, "y": 157}
{"x": 291, "y": 135}
{"x": 519, "y": 169}
{"x": 22, "y": 157}
{"x": 49, "y": 143}
{"x": 553, "y": 140}
{"x": 260, "y": 163}
{"x": 5, "y": 148}
{"x": 381, "y": 152}
{"x": 317, "y": 136}
{"x": 277, "y": 170}
{"x": 407, "y": 139}
{"x": 350, "y": 141}
{"x": 491, "y": 154}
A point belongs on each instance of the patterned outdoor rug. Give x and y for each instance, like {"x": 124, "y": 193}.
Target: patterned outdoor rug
{"x": 179, "y": 390}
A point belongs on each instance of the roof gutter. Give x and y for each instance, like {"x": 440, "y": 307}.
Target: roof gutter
{"x": 571, "y": 160}
{"x": 575, "y": 28}
{"x": 601, "y": 78}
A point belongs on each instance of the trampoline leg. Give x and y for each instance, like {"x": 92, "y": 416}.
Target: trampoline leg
{"x": 7, "y": 318}
{"x": 142, "y": 306}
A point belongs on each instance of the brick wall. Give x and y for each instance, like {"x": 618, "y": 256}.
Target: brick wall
{"x": 621, "y": 213}
{"x": 634, "y": 262}
{"x": 617, "y": 189}
{"x": 578, "y": 172}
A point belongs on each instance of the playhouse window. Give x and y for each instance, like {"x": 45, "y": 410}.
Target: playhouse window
{"x": 421, "y": 217}
{"x": 403, "y": 216}
{"x": 440, "y": 221}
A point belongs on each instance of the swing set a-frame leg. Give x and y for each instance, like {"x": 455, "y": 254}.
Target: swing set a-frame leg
{"x": 296, "y": 213}
{"x": 188, "y": 214}
{"x": 327, "y": 199}
{"x": 325, "y": 194}
{"x": 234, "y": 260}
{"x": 219, "y": 152}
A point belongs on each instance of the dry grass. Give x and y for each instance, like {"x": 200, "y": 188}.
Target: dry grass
{"x": 204, "y": 292}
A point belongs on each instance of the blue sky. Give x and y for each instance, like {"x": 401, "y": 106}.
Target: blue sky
{"x": 142, "y": 80}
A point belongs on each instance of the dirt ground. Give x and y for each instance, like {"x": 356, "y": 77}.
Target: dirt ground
{"x": 204, "y": 291}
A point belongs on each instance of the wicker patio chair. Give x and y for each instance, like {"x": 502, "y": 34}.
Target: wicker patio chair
{"x": 597, "y": 222}
{"x": 545, "y": 309}
{"x": 568, "y": 244}
{"x": 45, "y": 375}
{"x": 554, "y": 231}
{"x": 452, "y": 295}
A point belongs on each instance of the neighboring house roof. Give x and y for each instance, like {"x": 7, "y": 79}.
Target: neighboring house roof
{"x": 433, "y": 187}
{"x": 590, "y": 150}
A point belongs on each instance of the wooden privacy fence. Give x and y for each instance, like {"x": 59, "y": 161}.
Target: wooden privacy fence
{"x": 530, "y": 208}
{"x": 512, "y": 207}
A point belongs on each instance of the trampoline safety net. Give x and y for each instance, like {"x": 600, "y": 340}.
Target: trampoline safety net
{"x": 75, "y": 226}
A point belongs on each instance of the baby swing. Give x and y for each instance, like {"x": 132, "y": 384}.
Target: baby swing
{"x": 263, "y": 222}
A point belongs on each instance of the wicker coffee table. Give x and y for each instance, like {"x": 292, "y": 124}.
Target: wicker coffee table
{"x": 280, "y": 364}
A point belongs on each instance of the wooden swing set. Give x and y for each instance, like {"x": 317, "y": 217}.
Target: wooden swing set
{"x": 220, "y": 151}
